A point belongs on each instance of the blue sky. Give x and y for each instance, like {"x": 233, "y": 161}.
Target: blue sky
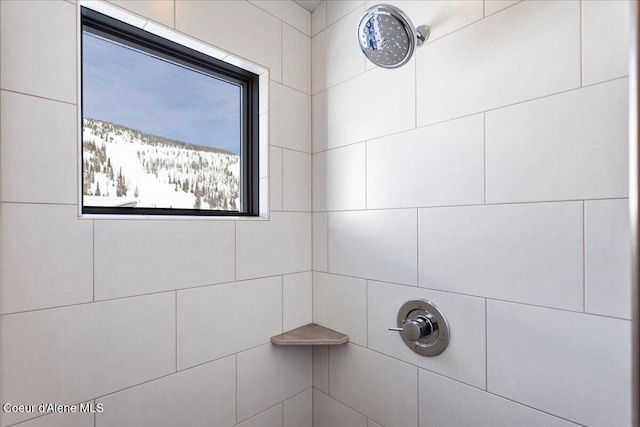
{"x": 137, "y": 90}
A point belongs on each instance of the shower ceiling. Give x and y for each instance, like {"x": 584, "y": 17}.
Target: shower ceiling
{"x": 310, "y": 5}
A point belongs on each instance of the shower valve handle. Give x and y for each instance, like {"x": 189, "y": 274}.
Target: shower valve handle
{"x": 416, "y": 328}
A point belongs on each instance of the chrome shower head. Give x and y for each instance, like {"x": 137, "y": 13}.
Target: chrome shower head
{"x": 387, "y": 36}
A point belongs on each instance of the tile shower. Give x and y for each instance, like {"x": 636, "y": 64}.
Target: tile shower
{"x": 488, "y": 175}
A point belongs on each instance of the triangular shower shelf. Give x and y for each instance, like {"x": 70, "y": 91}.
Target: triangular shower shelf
{"x": 310, "y": 334}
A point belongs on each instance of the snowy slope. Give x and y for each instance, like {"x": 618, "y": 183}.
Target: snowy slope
{"x": 122, "y": 166}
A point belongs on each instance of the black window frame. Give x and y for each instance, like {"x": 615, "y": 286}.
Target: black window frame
{"x": 121, "y": 32}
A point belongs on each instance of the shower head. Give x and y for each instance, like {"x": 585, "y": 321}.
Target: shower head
{"x": 387, "y": 37}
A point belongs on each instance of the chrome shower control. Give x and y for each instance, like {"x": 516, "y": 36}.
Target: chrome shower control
{"x": 417, "y": 328}
{"x": 423, "y": 327}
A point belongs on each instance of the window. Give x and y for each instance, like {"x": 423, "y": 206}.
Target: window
{"x": 166, "y": 130}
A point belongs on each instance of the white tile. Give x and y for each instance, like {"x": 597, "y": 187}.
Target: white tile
{"x": 463, "y": 359}
{"x": 289, "y": 12}
{"x": 39, "y": 150}
{"x": 206, "y": 315}
{"x": 335, "y": 55}
{"x": 320, "y": 241}
{"x": 202, "y": 396}
{"x": 296, "y": 58}
{"x": 38, "y": 44}
{"x": 525, "y": 253}
{"x": 160, "y": 11}
{"x": 608, "y": 258}
{"x": 328, "y": 412}
{"x": 529, "y": 50}
{"x": 290, "y": 118}
{"x": 47, "y": 257}
{"x": 298, "y": 411}
{"x": 442, "y": 17}
{"x": 287, "y": 371}
{"x": 68, "y": 419}
{"x": 272, "y": 417}
{"x": 450, "y": 170}
{"x": 493, "y": 6}
{"x": 356, "y": 113}
{"x": 278, "y": 246}
{"x": 275, "y": 178}
{"x": 63, "y": 355}
{"x": 580, "y": 372}
{"x": 340, "y": 303}
{"x": 153, "y": 256}
{"x": 605, "y": 40}
{"x": 350, "y": 373}
{"x": 339, "y": 179}
{"x": 319, "y": 19}
{"x": 447, "y": 403}
{"x": 319, "y": 121}
{"x": 195, "y": 44}
{"x": 338, "y": 9}
{"x": 321, "y": 367}
{"x": 568, "y": 146}
{"x": 379, "y": 245}
{"x": 296, "y": 296}
{"x": 296, "y": 177}
{"x": 217, "y": 23}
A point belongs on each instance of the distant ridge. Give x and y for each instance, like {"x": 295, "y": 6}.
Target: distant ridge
{"x": 147, "y": 138}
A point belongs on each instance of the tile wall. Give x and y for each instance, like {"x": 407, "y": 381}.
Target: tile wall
{"x": 488, "y": 175}
{"x": 152, "y": 318}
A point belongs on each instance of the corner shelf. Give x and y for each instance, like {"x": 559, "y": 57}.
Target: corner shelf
{"x": 310, "y": 334}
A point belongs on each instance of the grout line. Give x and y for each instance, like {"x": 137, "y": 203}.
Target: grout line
{"x": 573, "y": 423}
{"x": 148, "y": 294}
{"x": 366, "y": 180}
{"x": 417, "y": 247}
{"x": 256, "y": 4}
{"x": 366, "y": 312}
{"x": 580, "y": 37}
{"x": 329, "y": 371}
{"x": 484, "y": 144}
{"x": 481, "y": 111}
{"x": 176, "y": 315}
{"x": 584, "y": 257}
{"x": 346, "y": 405}
{"x": 93, "y": 260}
{"x": 415, "y": 97}
{"x": 235, "y": 357}
{"x": 418, "y": 394}
{"x": 475, "y": 205}
{"x": 327, "y": 244}
{"x": 414, "y": 287}
{"x": 39, "y": 97}
{"x": 486, "y": 344}
{"x": 9, "y": 202}
{"x": 235, "y": 251}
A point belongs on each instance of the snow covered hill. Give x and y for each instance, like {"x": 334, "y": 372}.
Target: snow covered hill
{"x": 125, "y": 167}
